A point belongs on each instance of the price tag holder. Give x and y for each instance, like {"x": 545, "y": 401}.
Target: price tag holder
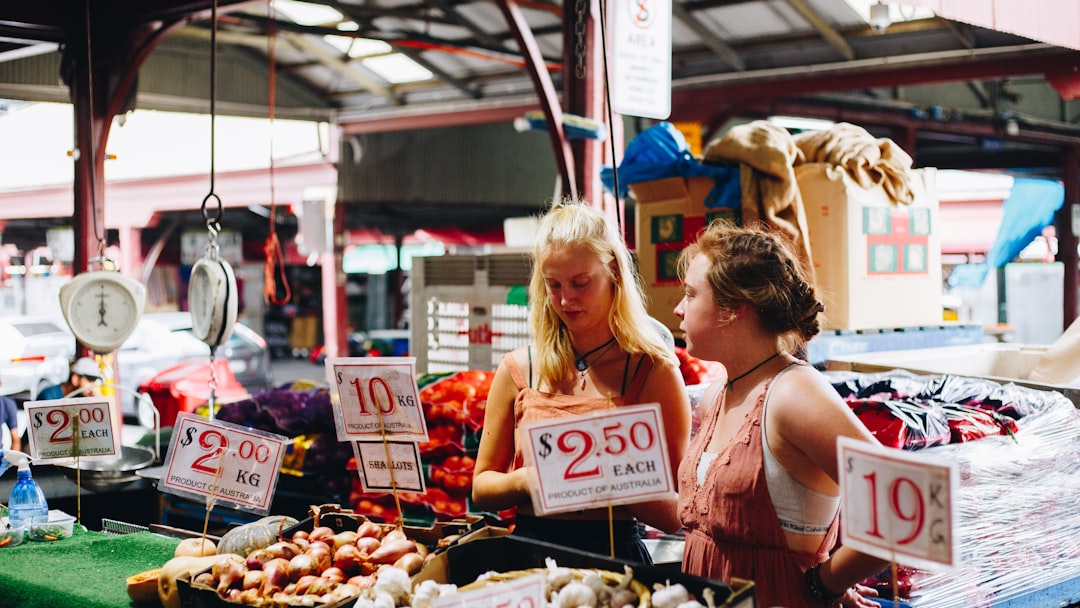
{"x": 897, "y": 505}
{"x": 615, "y": 457}
{"x": 375, "y": 397}
{"x": 524, "y": 592}
{"x": 236, "y": 466}
{"x": 62, "y": 429}
{"x": 408, "y": 472}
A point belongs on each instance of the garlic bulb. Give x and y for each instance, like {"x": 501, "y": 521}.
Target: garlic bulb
{"x": 576, "y": 595}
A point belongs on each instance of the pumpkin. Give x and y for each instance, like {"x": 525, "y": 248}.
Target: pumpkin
{"x": 244, "y": 539}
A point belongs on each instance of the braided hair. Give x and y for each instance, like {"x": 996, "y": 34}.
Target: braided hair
{"x": 757, "y": 266}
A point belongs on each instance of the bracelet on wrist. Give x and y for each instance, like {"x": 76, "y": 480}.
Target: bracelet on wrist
{"x": 817, "y": 589}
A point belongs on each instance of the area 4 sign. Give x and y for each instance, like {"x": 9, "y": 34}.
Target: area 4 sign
{"x": 896, "y": 505}
{"x": 641, "y": 62}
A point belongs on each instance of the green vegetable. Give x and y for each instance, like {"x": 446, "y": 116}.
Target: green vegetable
{"x": 49, "y": 532}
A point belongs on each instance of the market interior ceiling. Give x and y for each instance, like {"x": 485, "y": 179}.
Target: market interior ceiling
{"x": 1003, "y": 100}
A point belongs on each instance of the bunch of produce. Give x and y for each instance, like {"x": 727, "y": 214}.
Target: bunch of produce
{"x": 565, "y": 588}
{"x": 304, "y": 568}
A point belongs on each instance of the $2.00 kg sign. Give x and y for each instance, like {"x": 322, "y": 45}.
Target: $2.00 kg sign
{"x": 234, "y": 465}
{"x": 615, "y": 457}
{"x": 375, "y": 397}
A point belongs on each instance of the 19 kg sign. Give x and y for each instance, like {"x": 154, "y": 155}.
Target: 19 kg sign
{"x": 897, "y": 506}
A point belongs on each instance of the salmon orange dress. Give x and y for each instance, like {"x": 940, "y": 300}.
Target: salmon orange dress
{"x": 585, "y": 534}
{"x": 732, "y": 530}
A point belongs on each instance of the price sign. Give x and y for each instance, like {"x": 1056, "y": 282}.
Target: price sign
{"x": 375, "y": 473}
{"x": 524, "y": 592}
{"x": 897, "y": 505}
{"x": 61, "y": 429}
{"x": 611, "y": 458}
{"x": 234, "y": 465}
{"x": 375, "y": 397}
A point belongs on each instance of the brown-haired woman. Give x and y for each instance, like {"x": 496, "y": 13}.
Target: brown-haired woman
{"x": 758, "y": 489}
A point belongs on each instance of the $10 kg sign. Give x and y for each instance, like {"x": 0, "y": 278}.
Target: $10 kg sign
{"x": 376, "y": 397}
{"x": 223, "y": 461}
{"x": 612, "y": 458}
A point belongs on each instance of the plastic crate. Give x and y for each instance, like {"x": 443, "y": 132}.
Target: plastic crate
{"x": 468, "y": 310}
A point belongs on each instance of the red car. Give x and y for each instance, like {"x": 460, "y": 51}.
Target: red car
{"x": 186, "y": 386}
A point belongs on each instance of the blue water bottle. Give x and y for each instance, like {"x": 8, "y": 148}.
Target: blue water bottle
{"x": 27, "y": 503}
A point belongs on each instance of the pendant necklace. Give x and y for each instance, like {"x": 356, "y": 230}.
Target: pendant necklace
{"x": 751, "y": 370}
{"x": 582, "y": 362}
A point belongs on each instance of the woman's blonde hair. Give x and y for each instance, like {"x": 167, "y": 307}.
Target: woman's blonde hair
{"x": 572, "y": 222}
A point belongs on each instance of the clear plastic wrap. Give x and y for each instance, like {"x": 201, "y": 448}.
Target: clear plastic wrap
{"x": 1018, "y": 520}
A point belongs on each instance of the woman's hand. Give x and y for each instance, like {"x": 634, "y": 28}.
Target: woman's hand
{"x": 858, "y": 596}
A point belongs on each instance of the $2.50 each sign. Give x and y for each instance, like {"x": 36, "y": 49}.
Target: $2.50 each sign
{"x": 234, "y": 465}
{"x": 375, "y": 398}
{"x": 897, "y": 506}
{"x": 615, "y": 457}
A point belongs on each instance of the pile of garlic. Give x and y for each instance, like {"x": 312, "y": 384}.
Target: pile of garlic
{"x": 566, "y": 588}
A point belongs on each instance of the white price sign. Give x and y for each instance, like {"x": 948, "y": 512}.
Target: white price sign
{"x": 66, "y": 428}
{"x": 404, "y": 473}
{"x": 615, "y": 457}
{"x": 227, "y": 462}
{"x": 375, "y": 397}
{"x": 897, "y": 505}
{"x": 524, "y": 592}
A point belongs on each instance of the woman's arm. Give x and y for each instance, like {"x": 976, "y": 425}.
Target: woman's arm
{"x": 494, "y": 488}
{"x": 666, "y": 387}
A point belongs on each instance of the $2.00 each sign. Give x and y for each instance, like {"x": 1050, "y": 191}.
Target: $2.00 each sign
{"x": 376, "y": 397}
{"x": 615, "y": 457}
{"x": 66, "y": 428}
{"x": 234, "y": 465}
{"x": 897, "y": 506}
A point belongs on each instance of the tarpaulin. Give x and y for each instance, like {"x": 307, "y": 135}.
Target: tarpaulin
{"x": 661, "y": 152}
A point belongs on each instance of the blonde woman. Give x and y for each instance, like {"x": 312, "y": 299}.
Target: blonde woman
{"x": 594, "y": 346}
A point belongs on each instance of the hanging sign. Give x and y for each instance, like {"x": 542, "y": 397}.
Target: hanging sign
{"x": 896, "y": 505}
{"x": 403, "y": 472}
{"x": 61, "y": 429}
{"x": 615, "y": 457}
{"x": 229, "y": 464}
{"x": 375, "y": 398}
{"x": 641, "y": 62}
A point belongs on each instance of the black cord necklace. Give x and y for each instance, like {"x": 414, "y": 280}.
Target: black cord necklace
{"x": 751, "y": 370}
{"x": 582, "y": 362}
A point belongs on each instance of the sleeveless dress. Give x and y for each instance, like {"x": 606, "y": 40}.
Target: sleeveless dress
{"x": 584, "y": 534}
{"x": 732, "y": 530}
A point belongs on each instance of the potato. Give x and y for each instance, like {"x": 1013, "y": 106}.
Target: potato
{"x": 195, "y": 547}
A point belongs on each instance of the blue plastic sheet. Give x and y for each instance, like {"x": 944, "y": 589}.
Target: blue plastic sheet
{"x": 660, "y": 152}
{"x": 1030, "y": 207}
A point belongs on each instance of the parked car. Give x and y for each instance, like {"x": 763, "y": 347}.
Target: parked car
{"x": 163, "y": 340}
{"x": 245, "y": 350}
{"x": 35, "y": 352}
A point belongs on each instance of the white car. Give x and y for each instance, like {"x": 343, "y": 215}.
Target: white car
{"x": 35, "y": 352}
{"x": 164, "y": 339}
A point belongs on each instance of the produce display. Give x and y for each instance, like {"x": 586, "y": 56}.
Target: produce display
{"x": 1017, "y": 452}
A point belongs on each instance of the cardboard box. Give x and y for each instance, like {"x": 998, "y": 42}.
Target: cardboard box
{"x": 669, "y": 214}
{"x": 1000, "y": 362}
{"x": 464, "y": 562}
{"x": 878, "y": 264}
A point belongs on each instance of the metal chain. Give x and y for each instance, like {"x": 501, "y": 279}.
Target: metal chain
{"x": 579, "y": 39}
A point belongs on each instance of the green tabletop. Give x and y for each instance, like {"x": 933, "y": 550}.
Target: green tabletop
{"x": 88, "y": 570}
